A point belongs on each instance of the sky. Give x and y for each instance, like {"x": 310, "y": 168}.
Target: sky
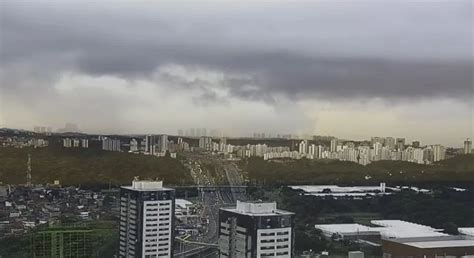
{"x": 347, "y": 68}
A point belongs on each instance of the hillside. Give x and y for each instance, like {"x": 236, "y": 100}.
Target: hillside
{"x": 87, "y": 167}
{"x": 459, "y": 169}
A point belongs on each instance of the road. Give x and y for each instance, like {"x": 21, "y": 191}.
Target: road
{"x": 198, "y": 164}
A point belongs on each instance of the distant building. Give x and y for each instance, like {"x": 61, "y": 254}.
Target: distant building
{"x": 467, "y": 146}
{"x": 415, "y": 144}
{"x": 400, "y": 144}
{"x": 439, "y": 153}
{"x": 205, "y": 143}
{"x": 428, "y": 247}
{"x": 333, "y": 145}
{"x": 303, "y": 147}
{"x": 67, "y": 143}
{"x": 255, "y": 230}
{"x": 352, "y": 232}
{"x": 109, "y": 144}
{"x": 163, "y": 143}
{"x": 146, "y": 220}
{"x": 134, "y": 145}
{"x": 62, "y": 242}
{"x": 150, "y": 144}
{"x": 75, "y": 143}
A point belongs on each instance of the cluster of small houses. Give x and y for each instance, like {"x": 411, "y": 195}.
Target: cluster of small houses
{"x": 24, "y": 208}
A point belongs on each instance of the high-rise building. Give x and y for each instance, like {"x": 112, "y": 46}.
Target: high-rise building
{"x": 378, "y": 150}
{"x": 163, "y": 143}
{"x": 303, "y": 147}
{"x": 467, "y": 146}
{"x": 133, "y": 145}
{"x": 67, "y": 143}
{"x": 205, "y": 143}
{"x": 415, "y": 144}
{"x": 146, "y": 220}
{"x": 111, "y": 144}
{"x": 150, "y": 144}
{"x": 255, "y": 229}
{"x": 376, "y": 139}
{"x": 390, "y": 143}
{"x": 439, "y": 153}
{"x": 400, "y": 144}
{"x": 333, "y": 145}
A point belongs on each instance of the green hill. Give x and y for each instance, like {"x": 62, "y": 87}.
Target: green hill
{"x": 459, "y": 169}
{"x": 87, "y": 167}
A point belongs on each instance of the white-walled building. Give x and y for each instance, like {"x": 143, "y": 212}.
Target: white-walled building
{"x": 255, "y": 229}
{"x": 146, "y": 220}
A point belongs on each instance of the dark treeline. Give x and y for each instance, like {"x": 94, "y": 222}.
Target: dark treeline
{"x": 89, "y": 168}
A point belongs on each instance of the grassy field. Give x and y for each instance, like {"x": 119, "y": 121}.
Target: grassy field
{"x": 87, "y": 167}
{"x": 459, "y": 169}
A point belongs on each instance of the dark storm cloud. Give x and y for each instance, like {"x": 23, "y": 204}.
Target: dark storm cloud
{"x": 337, "y": 50}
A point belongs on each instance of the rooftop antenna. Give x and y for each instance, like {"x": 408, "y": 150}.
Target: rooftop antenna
{"x": 28, "y": 171}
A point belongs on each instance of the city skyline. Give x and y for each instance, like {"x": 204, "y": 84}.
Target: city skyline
{"x": 286, "y": 68}
{"x": 218, "y": 134}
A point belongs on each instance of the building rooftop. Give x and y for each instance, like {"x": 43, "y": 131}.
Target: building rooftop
{"x": 436, "y": 242}
{"x": 466, "y": 231}
{"x": 403, "y": 229}
{"x": 257, "y": 209}
{"x": 146, "y": 185}
{"x": 345, "y": 228}
{"x": 386, "y": 229}
{"x": 182, "y": 203}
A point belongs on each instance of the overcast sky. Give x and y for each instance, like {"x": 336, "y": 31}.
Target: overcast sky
{"x": 352, "y": 69}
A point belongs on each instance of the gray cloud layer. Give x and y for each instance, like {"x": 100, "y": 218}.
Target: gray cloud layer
{"x": 364, "y": 49}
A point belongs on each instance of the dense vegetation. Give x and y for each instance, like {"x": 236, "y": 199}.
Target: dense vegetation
{"x": 445, "y": 209}
{"x": 87, "y": 167}
{"x": 104, "y": 241}
{"x": 459, "y": 169}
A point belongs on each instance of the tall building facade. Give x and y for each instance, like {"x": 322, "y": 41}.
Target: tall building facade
{"x": 303, "y": 147}
{"x": 111, "y": 144}
{"x": 390, "y": 143}
{"x": 150, "y": 144}
{"x": 254, "y": 229}
{"x": 333, "y": 145}
{"x": 205, "y": 143}
{"x": 467, "y": 146}
{"x": 400, "y": 144}
{"x": 439, "y": 153}
{"x": 146, "y": 220}
{"x": 163, "y": 143}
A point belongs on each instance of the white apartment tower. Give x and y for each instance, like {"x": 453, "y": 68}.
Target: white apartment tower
{"x": 303, "y": 147}
{"x": 146, "y": 220}
{"x": 150, "y": 144}
{"x": 163, "y": 140}
{"x": 333, "y": 145}
{"x": 467, "y": 146}
{"x": 255, "y": 229}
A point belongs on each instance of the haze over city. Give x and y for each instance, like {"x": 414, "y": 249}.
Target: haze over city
{"x": 237, "y": 129}
{"x": 351, "y": 69}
